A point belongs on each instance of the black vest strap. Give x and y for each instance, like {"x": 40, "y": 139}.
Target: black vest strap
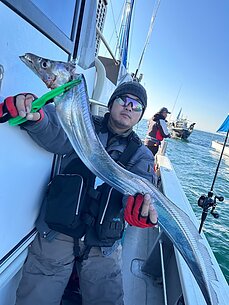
{"x": 133, "y": 145}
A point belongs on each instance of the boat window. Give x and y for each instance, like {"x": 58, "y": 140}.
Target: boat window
{"x": 70, "y": 24}
{"x": 55, "y": 19}
{"x": 60, "y": 12}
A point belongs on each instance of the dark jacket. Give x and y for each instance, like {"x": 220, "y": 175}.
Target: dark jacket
{"x": 49, "y": 134}
{"x": 157, "y": 130}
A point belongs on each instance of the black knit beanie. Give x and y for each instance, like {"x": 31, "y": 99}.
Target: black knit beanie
{"x": 132, "y": 87}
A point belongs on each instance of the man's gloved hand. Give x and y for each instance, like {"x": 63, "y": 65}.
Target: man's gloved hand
{"x": 139, "y": 211}
{"x": 21, "y": 105}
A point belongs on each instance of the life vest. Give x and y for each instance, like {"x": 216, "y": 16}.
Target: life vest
{"x": 75, "y": 208}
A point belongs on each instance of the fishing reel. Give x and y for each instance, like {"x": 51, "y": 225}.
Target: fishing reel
{"x": 206, "y": 202}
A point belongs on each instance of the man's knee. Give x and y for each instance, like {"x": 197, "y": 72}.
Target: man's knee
{"x": 48, "y": 266}
{"x": 101, "y": 278}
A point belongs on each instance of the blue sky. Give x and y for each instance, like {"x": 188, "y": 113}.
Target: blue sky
{"x": 188, "y": 50}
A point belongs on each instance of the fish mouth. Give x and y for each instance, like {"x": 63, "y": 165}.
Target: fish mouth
{"x": 26, "y": 59}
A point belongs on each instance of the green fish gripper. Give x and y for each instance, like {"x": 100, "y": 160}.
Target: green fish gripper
{"x": 41, "y": 101}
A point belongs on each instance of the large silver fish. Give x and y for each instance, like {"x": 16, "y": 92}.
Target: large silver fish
{"x": 74, "y": 114}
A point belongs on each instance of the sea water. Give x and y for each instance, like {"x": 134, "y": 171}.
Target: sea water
{"x": 195, "y": 162}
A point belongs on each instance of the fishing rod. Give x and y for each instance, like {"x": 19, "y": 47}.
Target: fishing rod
{"x": 148, "y": 37}
{"x": 207, "y": 202}
{"x": 178, "y": 94}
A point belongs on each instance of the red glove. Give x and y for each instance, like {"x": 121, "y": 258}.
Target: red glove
{"x": 8, "y": 108}
{"x": 132, "y": 212}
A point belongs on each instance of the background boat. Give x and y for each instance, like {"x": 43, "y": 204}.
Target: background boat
{"x": 223, "y": 147}
{"x": 219, "y": 146}
{"x": 181, "y": 127}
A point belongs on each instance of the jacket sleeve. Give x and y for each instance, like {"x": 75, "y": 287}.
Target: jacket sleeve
{"x": 143, "y": 164}
{"x": 48, "y": 132}
{"x": 163, "y": 129}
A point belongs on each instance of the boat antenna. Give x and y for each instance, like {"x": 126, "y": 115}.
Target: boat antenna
{"x": 154, "y": 14}
{"x": 117, "y": 48}
{"x": 206, "y": 202}
{"x": 176, "y": 99}
{"x": 122, "y": 46}
{"x": 115, "y": 25}
{"x": 175, "y": 102}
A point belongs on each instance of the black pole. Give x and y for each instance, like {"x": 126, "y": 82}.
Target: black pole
{"x": 136, "y": 73}
{"x": 205, "y": 203}
{"x": 217, "y": 169}
{"x": 203, "y": 217}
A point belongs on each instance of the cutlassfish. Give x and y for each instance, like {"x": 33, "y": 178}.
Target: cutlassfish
{"x": 74, "y": 115}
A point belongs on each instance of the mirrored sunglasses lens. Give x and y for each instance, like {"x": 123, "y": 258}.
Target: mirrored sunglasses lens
{"x": 120, "y": 101}
{"x": 136, "y": 106}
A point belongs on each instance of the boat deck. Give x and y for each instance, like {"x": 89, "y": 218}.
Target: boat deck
{"x": 142, "y": 271}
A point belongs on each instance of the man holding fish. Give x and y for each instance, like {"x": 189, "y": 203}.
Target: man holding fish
{"x": 91, "y": 239}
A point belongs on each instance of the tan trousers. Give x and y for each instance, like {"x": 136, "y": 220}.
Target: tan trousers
{"x": 48, "y": 268}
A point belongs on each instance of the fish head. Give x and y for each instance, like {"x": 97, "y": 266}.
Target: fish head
{"x": 52, "y": 73}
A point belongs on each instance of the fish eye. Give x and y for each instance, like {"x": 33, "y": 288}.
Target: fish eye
{"x": 45, "y": 64}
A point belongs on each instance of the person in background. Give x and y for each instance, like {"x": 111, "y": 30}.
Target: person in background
{"x": 93, "y": 245}
{"x": 157, "y": 130}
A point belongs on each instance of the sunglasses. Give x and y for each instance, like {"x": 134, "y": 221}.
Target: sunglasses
{"x": 126, "y": 101}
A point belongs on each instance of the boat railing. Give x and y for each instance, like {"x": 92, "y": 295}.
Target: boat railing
{"x": 162, "y": 250}
{"x": 163, "y": 270}
{"x": 163, "y": 148}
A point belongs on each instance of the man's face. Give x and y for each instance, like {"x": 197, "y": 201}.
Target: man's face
{"x": 124, "y": 114}
{"x": 164, "y": 113}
